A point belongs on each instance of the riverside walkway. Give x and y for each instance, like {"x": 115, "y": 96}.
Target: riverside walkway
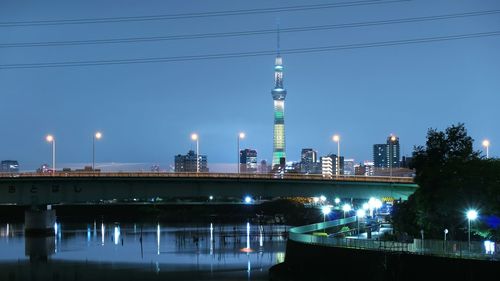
{"x": 440, "y": 248}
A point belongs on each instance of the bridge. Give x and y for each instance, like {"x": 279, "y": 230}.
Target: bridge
{"x": 87, "y": 187}
{"x": 40, "y": 191}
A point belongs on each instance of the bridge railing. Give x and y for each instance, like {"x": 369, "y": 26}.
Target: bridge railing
{"x": 405, "y": 180}
{"x": 450, "y": 249}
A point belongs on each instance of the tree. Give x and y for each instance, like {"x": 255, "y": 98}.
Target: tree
{"x": 451, "y": 177}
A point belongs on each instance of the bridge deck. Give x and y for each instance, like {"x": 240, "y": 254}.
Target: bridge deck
{"x": 87, "y": 187}
{"x": 91, "y": 174}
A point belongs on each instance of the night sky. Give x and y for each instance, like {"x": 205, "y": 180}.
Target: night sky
{"x": 147, "y": 111}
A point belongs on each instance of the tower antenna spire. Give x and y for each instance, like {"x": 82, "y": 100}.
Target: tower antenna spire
{"x": 278, "y": 37}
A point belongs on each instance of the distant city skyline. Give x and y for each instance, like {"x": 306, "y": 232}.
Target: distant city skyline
{"x": 148, "y": 111}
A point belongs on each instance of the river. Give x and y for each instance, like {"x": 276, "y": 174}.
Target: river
{"x": 136, "y": 251}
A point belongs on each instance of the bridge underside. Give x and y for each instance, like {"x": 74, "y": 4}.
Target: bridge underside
{"x": 55, "y": 190}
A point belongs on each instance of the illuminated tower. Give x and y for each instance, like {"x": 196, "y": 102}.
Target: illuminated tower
{"x": 279, "y": 94}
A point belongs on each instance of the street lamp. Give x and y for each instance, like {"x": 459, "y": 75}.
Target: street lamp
{"x": 325, "y": 210}
{"x": 240, "y": 137}
{"x": 471, "y": 215}
{"x": 373, "y": 204}
{"x": 445, "y": 232}
{"x": 337, "y": 200}
{"x": 359, "y": 215}
{"x": 346, "y": 208}
{"x": 336, "y": 138}
{"x": 322, "y": 198}
{"x": 50, "y": 138}
{"x": 97, "y": 136}
{"x": 194, "y": 137}
{"x": 391, "y": 163}
{"x": 486, "y": 143}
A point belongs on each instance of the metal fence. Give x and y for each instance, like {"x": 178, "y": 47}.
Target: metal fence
{"x": 452, "y": 249}
{"x": 404, "y": 180}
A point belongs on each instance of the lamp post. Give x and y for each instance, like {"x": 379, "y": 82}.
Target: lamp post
{"x": 391, "y": 163}
{"x": 444, "y": 244}
{"x": 50, "y": 138}
{"x": 336, "y": 138}
{"x": 346, "y": 208}
{"x": 195, "y": 138}
{"x": 241, "y": 136}
{"x": 97, "y": 136}
{"x": 471, "y": 215}
{"x": 359, "y": 215}
{"x": 325, "y": 210}
{"x": 486, "y": 143}
{"x": 337, "y": 200}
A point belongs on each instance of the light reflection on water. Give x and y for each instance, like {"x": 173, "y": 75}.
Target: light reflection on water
{"x": 211, "y": 248}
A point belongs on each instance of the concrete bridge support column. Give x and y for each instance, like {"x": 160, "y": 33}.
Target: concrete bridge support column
{"x": 39, "y": 221}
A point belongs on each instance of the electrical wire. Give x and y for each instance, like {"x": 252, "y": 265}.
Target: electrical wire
{"x": 197, "y": 15}
{"x": 249, "y": 54}
{"x": 248, "y": 32}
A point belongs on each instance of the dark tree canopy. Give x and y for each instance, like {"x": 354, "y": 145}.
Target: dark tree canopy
{"x": 452, "y": 177}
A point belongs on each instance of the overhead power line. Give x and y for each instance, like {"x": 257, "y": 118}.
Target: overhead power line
{"x": 246, "y": 33}
{"x": 197, "y": 15}
{"x": 250, "y": 54}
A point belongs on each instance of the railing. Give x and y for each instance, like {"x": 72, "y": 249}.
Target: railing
{"x": 451, "y": 249}
{"x": 404, "y": 180}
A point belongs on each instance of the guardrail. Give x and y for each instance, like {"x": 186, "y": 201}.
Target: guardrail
{"x": 404, "y": 180}
{"x": 450, "y": 249}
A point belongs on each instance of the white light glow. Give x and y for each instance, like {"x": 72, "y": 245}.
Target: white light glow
{"x": 326, "y": 210}
{"x": 360, "y": 213}
{"x": 346, "y": 208}
{"x": 472, "y": 215}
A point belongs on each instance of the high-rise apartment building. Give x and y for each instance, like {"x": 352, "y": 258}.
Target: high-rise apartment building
{"x": 187, "y": 163}
{"x": 248, "y": 161}
{"x": 9, "y": 166}
{"x": 329, "y": 165}
{"x": 309, "y": 163}
{"x": 387, "y": 155}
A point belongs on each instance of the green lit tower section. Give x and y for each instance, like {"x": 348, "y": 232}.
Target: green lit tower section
{"x": 279, "y": 94}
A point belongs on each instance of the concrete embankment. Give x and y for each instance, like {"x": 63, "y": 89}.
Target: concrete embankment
{"x": 315, "y": 262}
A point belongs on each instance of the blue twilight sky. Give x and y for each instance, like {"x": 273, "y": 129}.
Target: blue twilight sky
{"x": 148, "y": 111}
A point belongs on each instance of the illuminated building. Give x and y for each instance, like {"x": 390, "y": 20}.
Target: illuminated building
{"x": 187, "y": 163}
{"x": 279, "y": 94}
{"x": 9, "y": 166}
{"x": 387, "y": 155}
{"x": 248, "y": 160}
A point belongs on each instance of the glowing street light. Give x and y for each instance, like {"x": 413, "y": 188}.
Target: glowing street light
{"x": 346, "y": 208}
{"x": 336, "y": 138}
{"x": 194, "y": 137}
{"x": 486, "y": 143}
{"x": 325, "y": 210}
{"x": 391, "y": 163}
{"x": 359, "y": 215}
{"x": 241, "y": 136}
{"x": 374, "y": 204}
{"x": 97, "y": 136}
{"x": 445, "y": 233}
{"x": 471, "y": 215}
{"x": 322, "y": 198}
{"x": 248, "y": 199}
{"x": 337, "y": 200}
{"x": 50, "y": 138}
